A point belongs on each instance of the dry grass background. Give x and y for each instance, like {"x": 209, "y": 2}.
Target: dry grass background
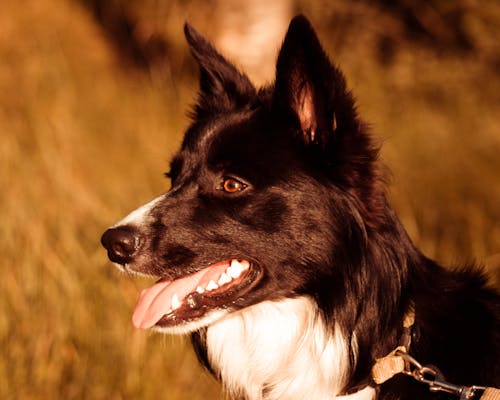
{"x": 82, "y": 142}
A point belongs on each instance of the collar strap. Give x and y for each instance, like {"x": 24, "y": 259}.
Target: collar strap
{"x": 394, "y": 363}
{"x": 386, "y": 367}
{"x": 491, "y": 394}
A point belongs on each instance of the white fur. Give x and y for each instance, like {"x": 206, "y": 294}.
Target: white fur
{"x": 140, "y": 216}
{"x": 368, "y": 393}
{"x": 281, "y": 350}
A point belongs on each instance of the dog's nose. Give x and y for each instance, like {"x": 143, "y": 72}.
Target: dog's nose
{"x": 122, "y": 243}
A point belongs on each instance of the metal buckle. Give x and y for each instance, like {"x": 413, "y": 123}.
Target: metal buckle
{"x": 432, "y": 376}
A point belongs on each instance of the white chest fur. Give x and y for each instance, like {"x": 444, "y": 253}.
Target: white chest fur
{"x": 281, "y": 350}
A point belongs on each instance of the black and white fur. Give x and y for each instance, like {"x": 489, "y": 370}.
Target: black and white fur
{"x": 336, "y": 271}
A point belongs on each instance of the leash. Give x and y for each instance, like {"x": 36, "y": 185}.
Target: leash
{"x": 400, "y": 362}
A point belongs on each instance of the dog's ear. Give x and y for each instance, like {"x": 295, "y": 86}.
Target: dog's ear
{"x": 222, "y": 86}
{"x": 312, "y": 93}
{"x": 310, "y": 89}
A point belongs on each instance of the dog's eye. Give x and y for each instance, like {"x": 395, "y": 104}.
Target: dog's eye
{"x": 231, "y": 185}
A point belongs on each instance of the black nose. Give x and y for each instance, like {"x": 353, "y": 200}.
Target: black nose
{"x": 122, "y": 243}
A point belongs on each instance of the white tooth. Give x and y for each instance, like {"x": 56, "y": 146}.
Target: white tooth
{"x": 237, "y": 268}
{"x": 212, "y": 285}
{"x": 200, "y": 290}
{"x": 234, "y": 272}
{"x": 175, "y": 302}
{"x": 224, "y": 278}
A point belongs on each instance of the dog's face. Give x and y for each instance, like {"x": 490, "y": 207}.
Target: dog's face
{"x": 265, "y": 191}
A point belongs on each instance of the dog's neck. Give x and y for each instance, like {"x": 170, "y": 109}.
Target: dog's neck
{"x": 282, "y": 350}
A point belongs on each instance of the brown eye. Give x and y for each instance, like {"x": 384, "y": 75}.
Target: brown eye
{"x": 230, "y": 185}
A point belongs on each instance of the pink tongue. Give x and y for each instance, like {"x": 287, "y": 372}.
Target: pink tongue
{"x": 155, "y": 301}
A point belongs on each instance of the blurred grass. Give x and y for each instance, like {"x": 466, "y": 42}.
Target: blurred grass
{"x": 82, "y": 142}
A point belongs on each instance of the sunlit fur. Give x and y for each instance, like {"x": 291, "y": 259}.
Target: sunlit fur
{"x": 280, "y": 349}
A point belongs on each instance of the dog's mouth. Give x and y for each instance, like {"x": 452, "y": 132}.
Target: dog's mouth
{"x": 173, "y": 302}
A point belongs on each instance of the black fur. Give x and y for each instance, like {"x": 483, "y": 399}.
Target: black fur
{"x": 313, "y": 217}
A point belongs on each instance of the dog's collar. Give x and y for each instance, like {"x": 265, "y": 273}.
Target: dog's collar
{"x": 394, "y": 363}
{"x": 390, "y": 365}
{"x": 399, "y": 361}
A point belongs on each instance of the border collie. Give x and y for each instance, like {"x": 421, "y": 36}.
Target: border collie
{"x": 276, "y": 249}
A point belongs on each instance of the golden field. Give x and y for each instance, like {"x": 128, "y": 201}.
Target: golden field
{"x": 84, "y": 140}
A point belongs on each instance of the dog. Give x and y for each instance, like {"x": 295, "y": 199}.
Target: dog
{"x": 276, "y": 250}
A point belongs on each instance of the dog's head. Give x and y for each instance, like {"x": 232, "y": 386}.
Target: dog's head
{"x": 269, "y": 191}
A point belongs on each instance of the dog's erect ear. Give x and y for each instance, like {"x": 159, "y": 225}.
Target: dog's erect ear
{"x": 312, "y": 93}
{"x": 310, "y": 88}
{"x": 222, "y": 86}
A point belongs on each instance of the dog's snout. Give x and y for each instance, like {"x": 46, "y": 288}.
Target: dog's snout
{"x": 122, "y": 243}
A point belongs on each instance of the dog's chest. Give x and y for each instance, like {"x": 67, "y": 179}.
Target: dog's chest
{"x": 280, "y": 350}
